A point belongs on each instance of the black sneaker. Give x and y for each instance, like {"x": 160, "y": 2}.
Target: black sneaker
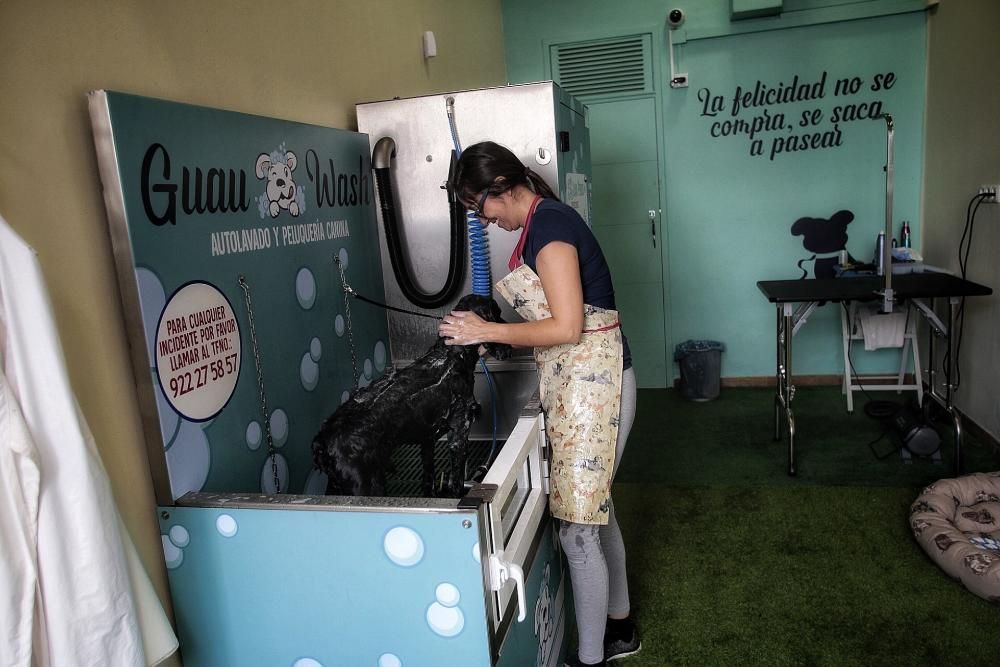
{"x": 572, "y": 660}
{"x": 621, "y": 639}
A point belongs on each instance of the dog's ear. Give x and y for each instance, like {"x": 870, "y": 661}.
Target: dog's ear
{"x": 804, "y": 226}
{"x": 495, "y": 314}
{"x": 466, "y": 303}
{"x": 291, "y": 160}
{"x": 263, "y": 164}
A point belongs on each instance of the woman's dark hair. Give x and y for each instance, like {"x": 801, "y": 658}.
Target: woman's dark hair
{"x": 490, "y": 166}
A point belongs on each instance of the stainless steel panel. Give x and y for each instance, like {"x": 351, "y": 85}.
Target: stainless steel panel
{"x": 523, "y": 117}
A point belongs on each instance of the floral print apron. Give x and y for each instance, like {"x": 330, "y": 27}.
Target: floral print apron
{"x": 580, "y": 390}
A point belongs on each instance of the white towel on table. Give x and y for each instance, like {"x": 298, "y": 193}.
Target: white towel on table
{"x": 881, "y": 329}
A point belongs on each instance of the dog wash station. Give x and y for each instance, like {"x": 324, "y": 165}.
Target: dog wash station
{"x": 249, "y": 252}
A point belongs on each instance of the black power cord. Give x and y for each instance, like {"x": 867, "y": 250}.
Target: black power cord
{"x": 881, "y": 411}
{"x": 963, "y": 263}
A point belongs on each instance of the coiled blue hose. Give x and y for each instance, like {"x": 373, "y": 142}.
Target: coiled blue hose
{"x": 479, "y": 256}
{"x": 479, "y": 243}
{"x": 482, "y": 279}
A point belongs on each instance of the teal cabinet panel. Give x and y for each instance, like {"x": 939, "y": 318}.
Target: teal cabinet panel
{"x": 746, "y": 9}
{"x": 626, "y": 187}
{"x": 624, "y": 193}
{"x": 641, "y": 308}
{"x": 630, "y": 254}
{"x": 650, "y": 362}
{"x": 623, "y": 131}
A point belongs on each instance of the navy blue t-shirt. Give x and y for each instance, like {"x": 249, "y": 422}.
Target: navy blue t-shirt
{"x": 555, "y": 221}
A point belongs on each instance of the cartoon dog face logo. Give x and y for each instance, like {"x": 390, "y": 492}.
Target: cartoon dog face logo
{"x": 544, "y": 620}
{"x": 825, "y": 238}
{"x": 281, "y": 191}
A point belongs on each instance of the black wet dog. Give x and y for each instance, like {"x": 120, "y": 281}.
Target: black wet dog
{"x": 431, "y": 397}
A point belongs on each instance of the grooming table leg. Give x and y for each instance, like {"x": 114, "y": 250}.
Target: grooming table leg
{"x": 785, "y": 390}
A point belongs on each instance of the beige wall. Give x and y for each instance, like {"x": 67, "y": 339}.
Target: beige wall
{"x": 962, "y": 153}
{"x": 305, "y": 61}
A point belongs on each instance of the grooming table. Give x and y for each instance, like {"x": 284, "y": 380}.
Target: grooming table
{"x": 795, "y": 300}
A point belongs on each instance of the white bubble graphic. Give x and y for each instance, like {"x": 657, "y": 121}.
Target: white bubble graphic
{"x": 403, "y": 546}
{"x": 226, "y": 525}
{"x": 346, "y": 395}
{"x": 380, "y": 356}
{"x": 188, "y": 459}
{"x": 364, "y": 381}
{"x": 315, "y": 349}
{"x": 172, "y": 556}
{"x": 305, "y": 288}
{"x": 447, "y": 594}
{"x": 368, "y": 369}
{"x": 389, "y": 660}
{"x": 307, "y": 662}
{"x": 338, "y": 325}
{"x": 255, "y": 435}
{"x": 179, "y": 536}
{"x": 308, "y": 372}
{"x": 279, "y": 427}
{"x": 342, "y": 256}
{"x": 445, "y": 621}
{"x": 315, "y": 483}
{"x": 267, "y": 475}
{"x": 475, "y": 552}
{"x": 152, "y": 299}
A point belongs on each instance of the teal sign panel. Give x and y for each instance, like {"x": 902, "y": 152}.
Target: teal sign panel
{"x": 315, "y": 588}
{"x": 230, "y": 232}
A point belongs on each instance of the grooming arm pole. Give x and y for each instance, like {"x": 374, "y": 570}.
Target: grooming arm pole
{"x": 887, "y": 295}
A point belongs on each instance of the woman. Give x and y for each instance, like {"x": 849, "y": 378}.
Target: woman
{"x": 560, "y": 283}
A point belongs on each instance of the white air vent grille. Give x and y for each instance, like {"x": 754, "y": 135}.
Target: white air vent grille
{"x": 619, "y": 66}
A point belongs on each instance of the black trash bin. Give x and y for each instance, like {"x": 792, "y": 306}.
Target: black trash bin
{"x": 700, "y": 362}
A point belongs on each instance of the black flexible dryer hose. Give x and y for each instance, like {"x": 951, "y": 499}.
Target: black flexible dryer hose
{"x": 385, "y": 148}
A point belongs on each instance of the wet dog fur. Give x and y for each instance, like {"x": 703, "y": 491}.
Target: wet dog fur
{"x": 430, "y": 398}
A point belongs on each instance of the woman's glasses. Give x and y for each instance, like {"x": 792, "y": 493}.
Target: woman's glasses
{"x": 478, "y": 208}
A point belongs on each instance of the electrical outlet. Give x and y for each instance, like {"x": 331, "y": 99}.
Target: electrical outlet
{"x": 991, "y": 192}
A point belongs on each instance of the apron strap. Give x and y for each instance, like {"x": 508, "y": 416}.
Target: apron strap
{"x": 515, "y": 257}
{"x": 608, "y": 327}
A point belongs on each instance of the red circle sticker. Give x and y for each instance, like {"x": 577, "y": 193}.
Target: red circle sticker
{"x": 198, "y": 351}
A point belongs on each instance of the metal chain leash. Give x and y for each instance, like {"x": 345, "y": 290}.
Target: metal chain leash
{"x": 260, "y": 385}
{"x": 348, "y": 291}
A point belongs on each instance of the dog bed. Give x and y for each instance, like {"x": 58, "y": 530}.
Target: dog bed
{"x": 957, "y": 522}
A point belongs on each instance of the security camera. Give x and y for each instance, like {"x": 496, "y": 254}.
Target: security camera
{"x": 675, "y": 18}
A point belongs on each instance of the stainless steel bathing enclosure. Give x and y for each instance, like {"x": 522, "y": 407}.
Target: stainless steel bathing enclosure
{"x": 543, "y": 125}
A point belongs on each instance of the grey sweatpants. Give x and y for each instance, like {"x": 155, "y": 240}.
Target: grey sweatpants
{"x": 596, "y": 555}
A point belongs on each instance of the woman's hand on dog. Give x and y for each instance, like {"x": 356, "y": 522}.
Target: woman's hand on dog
{"x": 463, "y": 327}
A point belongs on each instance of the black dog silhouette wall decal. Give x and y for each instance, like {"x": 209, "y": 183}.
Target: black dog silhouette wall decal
{"x": 825, "y": 238}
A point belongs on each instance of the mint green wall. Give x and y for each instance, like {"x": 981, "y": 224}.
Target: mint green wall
{"x": 728, "y": 213}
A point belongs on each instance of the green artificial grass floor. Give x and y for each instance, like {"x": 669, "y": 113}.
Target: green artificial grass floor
{"x": 731, "y": 441}
{"x": 733, "y": 562}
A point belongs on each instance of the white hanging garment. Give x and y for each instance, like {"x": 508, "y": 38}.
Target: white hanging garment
{"x": 82, "y": 609}
{"x": 19, "y": 479}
